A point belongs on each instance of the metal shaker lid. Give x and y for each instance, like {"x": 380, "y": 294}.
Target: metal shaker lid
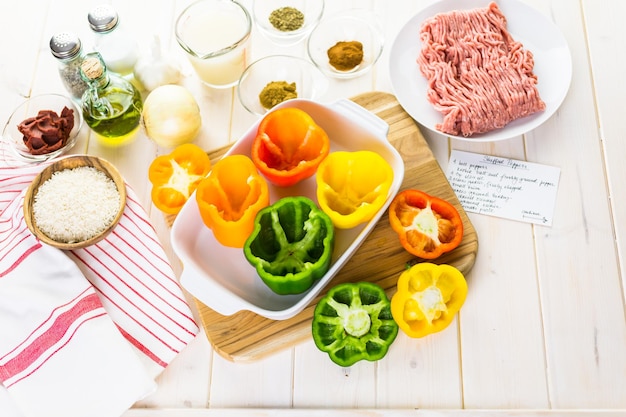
{"x": 102, "y": 18}
{"x": 65, "y": 45}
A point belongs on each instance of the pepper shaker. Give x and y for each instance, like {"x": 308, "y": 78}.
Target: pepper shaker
{"x": 67, "y": 48}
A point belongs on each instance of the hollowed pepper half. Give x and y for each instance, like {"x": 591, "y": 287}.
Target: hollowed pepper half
{"x": 427, "y": 226}
{"x": 291, "y": 245}
{"x": 175, "y": 176}
{"x": 289, "y": 146}
{"x": 428, "y": 297}
{"x": 230, "y": 197}
{"x": 353, "y": 322}
{"x": 353, "y": 186}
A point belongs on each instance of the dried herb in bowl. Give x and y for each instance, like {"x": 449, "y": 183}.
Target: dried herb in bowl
{"x": 287, "y": 19}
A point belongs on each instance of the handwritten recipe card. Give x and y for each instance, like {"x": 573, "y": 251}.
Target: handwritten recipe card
{"x": 503, "y": 187}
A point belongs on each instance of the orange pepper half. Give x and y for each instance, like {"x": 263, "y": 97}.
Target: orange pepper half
{"x": 230, "y": 197}
{"x": 175, "y": 176}
{"x": 427, "y": 226}
{"x": 289, "y": 146}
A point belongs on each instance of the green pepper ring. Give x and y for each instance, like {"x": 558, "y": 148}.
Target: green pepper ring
{"x": 353, "y": 322}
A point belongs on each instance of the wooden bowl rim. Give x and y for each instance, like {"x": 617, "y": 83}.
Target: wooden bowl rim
{"x": 70, "y": 162}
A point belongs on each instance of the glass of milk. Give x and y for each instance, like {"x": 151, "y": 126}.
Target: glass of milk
{"x": 216, "y": 36}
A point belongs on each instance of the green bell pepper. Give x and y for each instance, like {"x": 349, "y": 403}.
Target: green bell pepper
{"x": 353, "y": 322}
{"x": 291, "y": 244}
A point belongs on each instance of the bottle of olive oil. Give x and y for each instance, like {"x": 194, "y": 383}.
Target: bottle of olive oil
{"x": 111, "y": 105}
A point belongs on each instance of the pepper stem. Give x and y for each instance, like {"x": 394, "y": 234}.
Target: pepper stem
{"x": 357, "y": 322}
{"x": 427, "y": 223}
{"x": 431, "y": 303}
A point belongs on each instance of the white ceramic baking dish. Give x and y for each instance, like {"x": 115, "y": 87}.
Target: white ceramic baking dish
{"x": 221, "y": 278}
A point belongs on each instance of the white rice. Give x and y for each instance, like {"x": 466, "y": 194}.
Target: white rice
{"x": 76, "y": 204}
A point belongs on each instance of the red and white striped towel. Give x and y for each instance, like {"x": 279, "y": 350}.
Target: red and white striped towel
{"x": 133, "y": 303}
{"x": 61, "y": 355}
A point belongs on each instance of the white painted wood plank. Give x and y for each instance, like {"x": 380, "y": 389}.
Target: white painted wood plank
{"x": 317, "y": 381}
{"x": 185, "y": 383}
{"x": 500, "y": 325}
{"x": 20, "y": 46}
{"x": 426, "y": 372}
{"x": 501, "y": 334}
{"x": 265, "y": 383}
{"x": 371, "y": 413}
{"x": 605, "y": 36}
{"x": 579, "y": 284}
{"x": 422, "y": 373}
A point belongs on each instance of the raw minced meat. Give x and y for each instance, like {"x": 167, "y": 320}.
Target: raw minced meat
{"x": 479, "y": 77}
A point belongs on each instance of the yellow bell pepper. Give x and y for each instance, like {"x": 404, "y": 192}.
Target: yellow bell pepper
{"x": 427, "y": 299}
{"x": 353, "y": 186}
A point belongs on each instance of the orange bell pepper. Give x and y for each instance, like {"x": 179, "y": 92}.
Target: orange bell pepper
{"x": 175, "y": 176}
{"x": 428, "y": 297}
{"x": 353, "y": 186}
{"x": 289, "y": 146}
{"x": 427, "y": 226}
{"x": 230, "y": 197}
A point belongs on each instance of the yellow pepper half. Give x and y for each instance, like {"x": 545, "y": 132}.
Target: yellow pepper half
{"x": 428, "y": 298}
{"x": 353, "y": 186}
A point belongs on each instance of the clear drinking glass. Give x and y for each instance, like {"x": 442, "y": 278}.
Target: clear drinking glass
{"x": 216, "y": 36}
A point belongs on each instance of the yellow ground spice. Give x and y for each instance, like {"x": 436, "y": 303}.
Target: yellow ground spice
{"x": 276, "y": 92}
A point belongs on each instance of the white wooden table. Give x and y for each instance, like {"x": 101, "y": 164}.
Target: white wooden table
{"x": 543, "y": 330}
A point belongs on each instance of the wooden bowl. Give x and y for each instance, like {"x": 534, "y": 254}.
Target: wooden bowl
{"x": 69, "y": 163}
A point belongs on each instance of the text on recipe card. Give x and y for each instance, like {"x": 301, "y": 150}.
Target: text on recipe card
{"x": 503, "y": 187}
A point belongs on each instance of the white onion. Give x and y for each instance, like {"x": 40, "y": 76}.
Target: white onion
{"x": 171, "y": 116}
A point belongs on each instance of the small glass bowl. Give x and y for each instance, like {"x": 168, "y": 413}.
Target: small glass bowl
{"x": 310, "y": 82}
{"x": 311, "y": 9}
{"x": 55, "y": 102}
{"x": 354, "y": 25}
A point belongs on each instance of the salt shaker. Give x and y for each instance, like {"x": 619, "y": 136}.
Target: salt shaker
{"x": 67, "y": 48}
{"x": 117, "y": 47}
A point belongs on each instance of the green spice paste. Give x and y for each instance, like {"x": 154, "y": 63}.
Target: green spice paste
{"x": 276, "y": 92}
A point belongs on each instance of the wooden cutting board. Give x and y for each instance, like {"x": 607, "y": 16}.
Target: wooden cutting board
{"x": 246, "y": 336}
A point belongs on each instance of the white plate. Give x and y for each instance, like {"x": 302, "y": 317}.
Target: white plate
{"x": 553, "y": 64}
{"x": 221, "y": 278}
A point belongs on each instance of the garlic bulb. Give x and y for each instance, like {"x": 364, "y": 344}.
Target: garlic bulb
{"x": 156, "y": 69}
